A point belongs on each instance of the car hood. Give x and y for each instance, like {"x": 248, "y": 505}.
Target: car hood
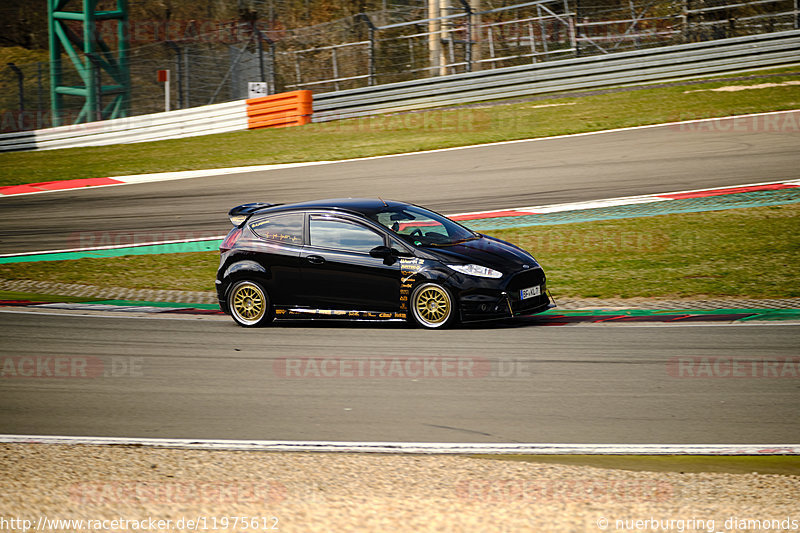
{"x": 486, "y": 251}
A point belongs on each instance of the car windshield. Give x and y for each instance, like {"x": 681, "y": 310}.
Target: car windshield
{"x": 421, "y": 227}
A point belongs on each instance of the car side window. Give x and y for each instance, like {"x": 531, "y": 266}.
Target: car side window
{"x": 287, "y": 229}
{"x": 339, "y": 234}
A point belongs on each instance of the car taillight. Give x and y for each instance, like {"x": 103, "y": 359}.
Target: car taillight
{"x": 230, "y": 240}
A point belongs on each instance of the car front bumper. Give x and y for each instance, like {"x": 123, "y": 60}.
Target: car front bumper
{"x": 486, "y": 299}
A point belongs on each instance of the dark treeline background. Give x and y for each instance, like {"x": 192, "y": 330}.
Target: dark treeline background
{"x": 23, "y": 23}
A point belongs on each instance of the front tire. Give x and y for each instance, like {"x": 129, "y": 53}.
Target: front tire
{"x": 249, "y": 304}
{"x": 432, "y": 306}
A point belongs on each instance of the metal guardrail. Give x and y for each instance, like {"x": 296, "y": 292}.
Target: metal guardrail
{"x": 654, "y": 64}
{"x": 217, "y": 118}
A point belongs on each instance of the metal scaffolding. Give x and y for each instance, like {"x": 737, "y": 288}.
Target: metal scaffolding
{"x": 102, "y": 74}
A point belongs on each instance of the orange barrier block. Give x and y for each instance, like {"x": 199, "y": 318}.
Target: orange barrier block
{"x": 280, "y": 110}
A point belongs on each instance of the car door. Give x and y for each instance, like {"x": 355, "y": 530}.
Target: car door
{"x": 338, "y": 271}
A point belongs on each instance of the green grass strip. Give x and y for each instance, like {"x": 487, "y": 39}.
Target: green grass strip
{"x": 743, "y": 253}
{"x": 746, "y": 253}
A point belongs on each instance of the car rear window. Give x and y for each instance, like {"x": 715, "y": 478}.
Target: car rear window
{"x": 280, "y": 228}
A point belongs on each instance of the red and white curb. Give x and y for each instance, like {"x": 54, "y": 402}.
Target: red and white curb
{"x": 416, "y": 447}
{"x": 65, "y": 185}
{"x": 627, "y": 200}
{"x": 719, "y": 123}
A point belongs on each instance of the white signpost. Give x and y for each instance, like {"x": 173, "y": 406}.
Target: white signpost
{"x": 257, "y": 89}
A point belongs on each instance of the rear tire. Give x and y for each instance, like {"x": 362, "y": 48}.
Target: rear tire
{"x": 249, "y": 304}
{"x": 432, "y": 306}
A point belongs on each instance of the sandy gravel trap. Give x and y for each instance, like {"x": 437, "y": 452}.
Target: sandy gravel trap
{"x": 123, "y": 488}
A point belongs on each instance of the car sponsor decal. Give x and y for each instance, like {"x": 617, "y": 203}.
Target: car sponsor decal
{"x": 289, "y": 313}
{"x": 282, "y": 237}
{"x": 409, "y": 268}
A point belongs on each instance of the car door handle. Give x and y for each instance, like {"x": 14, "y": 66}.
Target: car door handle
{"x": 315, "y": 259}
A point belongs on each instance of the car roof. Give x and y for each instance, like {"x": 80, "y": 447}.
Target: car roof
{"x": 353, "y": 205}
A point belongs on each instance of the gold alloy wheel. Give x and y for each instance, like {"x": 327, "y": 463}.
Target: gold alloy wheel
{"x": 432, "y": 306}
{"x": 248, "y": 303}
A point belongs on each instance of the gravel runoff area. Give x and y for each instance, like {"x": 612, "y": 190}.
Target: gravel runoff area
{"x": 200, "y": 297}
{"x": 352, "y": 492}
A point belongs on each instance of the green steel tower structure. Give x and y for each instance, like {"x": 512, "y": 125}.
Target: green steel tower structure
{"x": 104, "y": 76}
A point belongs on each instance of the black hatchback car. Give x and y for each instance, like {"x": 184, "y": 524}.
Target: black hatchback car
{"x": 370, "y": 259}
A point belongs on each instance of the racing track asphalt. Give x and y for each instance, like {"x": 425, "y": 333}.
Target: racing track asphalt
{"x": 206, "y": 378}
{"x": 638, "y": 161}
{"x": 584, "y": 384}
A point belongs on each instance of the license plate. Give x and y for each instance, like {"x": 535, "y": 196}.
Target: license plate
{"x": 530, "y": 292}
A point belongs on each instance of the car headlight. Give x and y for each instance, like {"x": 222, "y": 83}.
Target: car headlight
{"x": 477, "y": 270}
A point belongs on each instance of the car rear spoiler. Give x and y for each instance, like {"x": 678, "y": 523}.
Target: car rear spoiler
{"x": 240, "y": 213}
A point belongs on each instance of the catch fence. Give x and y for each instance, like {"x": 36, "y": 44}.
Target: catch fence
{"x": 212, "y": 61}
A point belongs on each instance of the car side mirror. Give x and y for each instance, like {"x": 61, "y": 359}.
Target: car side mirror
{"x": 381, "y": 252}
{"x": 384, "y": 252}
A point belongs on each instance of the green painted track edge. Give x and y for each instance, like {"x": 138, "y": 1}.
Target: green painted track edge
{"x": 155, "y": 249}
{"x": 137, "y": 303}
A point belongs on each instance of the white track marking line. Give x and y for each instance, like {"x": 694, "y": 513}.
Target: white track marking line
{"x": 188, "y": 174}
{"x": 417, "y": 447}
